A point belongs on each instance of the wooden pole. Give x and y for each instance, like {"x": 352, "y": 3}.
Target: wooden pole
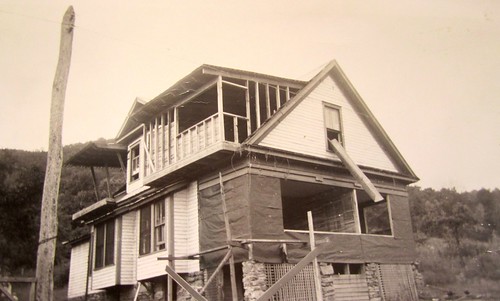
{"x": 229, "y": 237}
{"x": 48, "y": 216}
{"x": 312, "y": 242}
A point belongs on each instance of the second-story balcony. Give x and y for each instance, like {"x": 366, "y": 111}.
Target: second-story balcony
{"x": 199, "y": 122}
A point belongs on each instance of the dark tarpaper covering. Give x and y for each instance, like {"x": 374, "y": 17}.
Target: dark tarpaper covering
{"x": 255, "y": 211}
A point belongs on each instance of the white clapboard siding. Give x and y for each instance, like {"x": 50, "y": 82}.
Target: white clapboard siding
{"x": 185, "y": 237}
{"x": 149, "y": 266}
{"x": 303, "y": 130}
{"x": 128, "y": 249}
{"x": 78, "y": 270}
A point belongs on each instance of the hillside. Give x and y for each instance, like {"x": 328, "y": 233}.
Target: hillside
{"x": 457, "y": 234}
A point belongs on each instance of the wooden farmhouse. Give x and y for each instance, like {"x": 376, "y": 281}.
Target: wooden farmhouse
{"x": 246, "y": 186}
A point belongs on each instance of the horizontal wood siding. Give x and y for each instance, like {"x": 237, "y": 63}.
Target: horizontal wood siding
{"x": 350, "y": 288}
{"x": 128, "y": 249}
{"x": 181, "y": 231}
{"x": 149, "y": 266}
{"x": 303, "y": 130}
{"x": 185, "y": 235}
{"x": 78, "y": 270}
{"x": 105, "y": 277}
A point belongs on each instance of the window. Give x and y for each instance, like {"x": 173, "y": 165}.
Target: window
{"x": 332, "y": 125}
{"x": 347, "y": 268}
{"x": 159, "y": 225}
{"x": 152, "y": 225}
{"x": 334, "y": 209}
{"x": 145, "y": 231}
{"x": 374, "y": 217}
{"x": 135, "y": 162}
{"x": 104, "y": 244}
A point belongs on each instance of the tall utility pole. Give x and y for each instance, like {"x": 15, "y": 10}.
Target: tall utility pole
{"x": 48, "y": 216}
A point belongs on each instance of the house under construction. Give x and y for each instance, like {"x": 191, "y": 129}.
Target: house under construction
{"x": 246, "y": 186}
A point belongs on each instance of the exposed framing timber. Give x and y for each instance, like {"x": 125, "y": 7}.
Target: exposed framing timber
{"x": 312, "y": 242}
{"x": 94, "y": 180}
{"x": 220, "y": 108}
{"x": 247, "y": 103}
{"x": 184, "y": 284}
{"x": 268, "y": 102}
{"x": 217, "y": 270}
{"x": 201, "y": 90}
{"x": 257, "y": 104}
{"x": 292, "y": 83}
{"x": 233, "y": 84}
{"x": 232, "y": 270}
{"x": 356, "y": 172}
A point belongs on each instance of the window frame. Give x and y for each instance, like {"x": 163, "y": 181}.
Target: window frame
{"x": 365, "y": 227}
{"x": 134, "y": 174}
{"x": 104, "y": 251}
{"x": 327, "y": 130}
{"x": 150, "y": 227}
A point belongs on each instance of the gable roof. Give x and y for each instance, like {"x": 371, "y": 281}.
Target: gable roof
{"x": 334, "y": 70}
{"x": 129, "y": 123}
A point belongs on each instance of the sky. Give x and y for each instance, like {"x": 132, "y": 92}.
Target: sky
{"x": 428, "y": 70}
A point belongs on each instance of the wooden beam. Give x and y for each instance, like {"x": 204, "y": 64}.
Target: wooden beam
{"x": 170, "y": 243}
{"x": 184, "y": 284}
{"x": 292, "y": 273}
{"x": 247, "y": 103}
{"x": 220, "y": 108}
{"x": 232, "y": 270}
{"x": 268, "y": 103}
{"x": 217, "y": 270}
{"x": 312, "y": 242}
{"x": 7, "y": 294}
{"x": 122, "y": 165}
{"x": 271, "y": 80}
{"x": 94, "y": 180}
{"x": 48, "y": 214}
{"x": 355, "y": 171}
{"x": 278, "y": 103}
{"x": 108, "y": 186}
{"x": 257, "y": 104}
{"x": 233, "y": 84}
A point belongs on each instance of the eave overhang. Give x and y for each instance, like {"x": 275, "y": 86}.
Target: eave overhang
{"x": 95, "y": 210}
{"x": 99, "y": 155}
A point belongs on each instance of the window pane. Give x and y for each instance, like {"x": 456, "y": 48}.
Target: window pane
{"x": 110, "y": 243}
{"x": 99, "y": 247}
{"x": 377, "y": 219}
{"x": 332, "y": 119}
{"x": 159, "y": 225}
{"x": 145, "y": 231}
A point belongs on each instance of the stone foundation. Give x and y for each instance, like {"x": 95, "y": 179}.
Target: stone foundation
{"x": 254, "y": 280}
{"x": 371, "y": 273}
{"x": 196, "y": 280}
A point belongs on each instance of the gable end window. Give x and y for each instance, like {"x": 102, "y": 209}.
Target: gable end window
{"x": 134, "y": 162}
{"x": 333, "y": 126}
{"x": 105, "y": 244}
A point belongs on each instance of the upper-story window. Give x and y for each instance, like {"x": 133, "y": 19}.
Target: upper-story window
{"x": 104, "y": 244}
{"x": 152, "y": 225}
{"x": 135, "y": 162}
{"x": 333, "y": 125}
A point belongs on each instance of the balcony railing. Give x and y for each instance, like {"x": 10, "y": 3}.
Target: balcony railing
{"x": 163, "y": 147}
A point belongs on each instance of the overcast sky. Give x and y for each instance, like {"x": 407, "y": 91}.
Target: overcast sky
{"x": 429, "y": 70}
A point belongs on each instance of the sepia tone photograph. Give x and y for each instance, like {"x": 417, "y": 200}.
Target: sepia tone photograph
{"x": 249, "y": 150}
